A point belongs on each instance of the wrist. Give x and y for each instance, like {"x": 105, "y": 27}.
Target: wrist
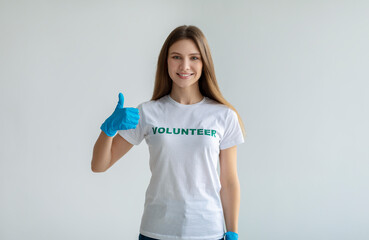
{"x": 109, "y": 132}
{"x": 231, "y": 235}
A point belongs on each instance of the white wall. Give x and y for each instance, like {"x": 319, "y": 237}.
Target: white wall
{"x": 297, "y": 72}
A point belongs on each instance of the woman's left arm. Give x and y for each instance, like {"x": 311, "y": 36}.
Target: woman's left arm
{"x": 230, "y": 191}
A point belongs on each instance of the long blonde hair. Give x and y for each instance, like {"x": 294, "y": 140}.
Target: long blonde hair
{"x": 208, "y": 84}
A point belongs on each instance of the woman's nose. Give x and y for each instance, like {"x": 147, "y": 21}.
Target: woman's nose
{"x": 185, "y": 64}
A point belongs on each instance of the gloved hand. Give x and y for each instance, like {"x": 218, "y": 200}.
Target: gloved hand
{"x": 121, "y": 119}
{"x": 231, "y": 236}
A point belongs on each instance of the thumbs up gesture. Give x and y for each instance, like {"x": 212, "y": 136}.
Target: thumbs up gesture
{"x": 121, "y": 119}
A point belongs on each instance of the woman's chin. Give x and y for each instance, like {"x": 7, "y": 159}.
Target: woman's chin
{"x": 183, "y": 84}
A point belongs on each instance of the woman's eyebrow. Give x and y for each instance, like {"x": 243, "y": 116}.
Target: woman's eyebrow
{"x": 181, "y": 54}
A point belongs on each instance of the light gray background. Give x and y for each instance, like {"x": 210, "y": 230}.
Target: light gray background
{"x": 297, "y": 72}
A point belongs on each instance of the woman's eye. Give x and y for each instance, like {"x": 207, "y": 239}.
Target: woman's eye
{"x": 178, "y": 57}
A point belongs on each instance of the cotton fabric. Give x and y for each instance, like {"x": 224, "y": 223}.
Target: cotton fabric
{"x": 182, "y": 201}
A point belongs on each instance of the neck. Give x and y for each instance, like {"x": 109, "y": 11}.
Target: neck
{"x": 186, "y": 95}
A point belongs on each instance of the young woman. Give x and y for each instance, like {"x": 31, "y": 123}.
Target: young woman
{"x": 189, "y": 127}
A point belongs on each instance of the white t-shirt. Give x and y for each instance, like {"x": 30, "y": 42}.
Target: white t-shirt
{"x": 182, "y": 200}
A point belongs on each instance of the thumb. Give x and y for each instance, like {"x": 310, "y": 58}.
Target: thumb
{"x": 121, "y": 101}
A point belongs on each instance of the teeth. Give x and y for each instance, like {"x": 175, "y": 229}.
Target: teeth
{"x": 184, "y": 75}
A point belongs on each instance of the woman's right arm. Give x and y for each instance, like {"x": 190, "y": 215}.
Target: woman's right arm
{"x": 110, "y": 146}
{"x": 107, "y": 151}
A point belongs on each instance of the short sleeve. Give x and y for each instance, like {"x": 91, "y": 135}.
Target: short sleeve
{"x": 232, "y": 131}
{"x": 135, "y": 135}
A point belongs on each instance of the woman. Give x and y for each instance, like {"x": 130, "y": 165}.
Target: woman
{"x": 189, "y": 127}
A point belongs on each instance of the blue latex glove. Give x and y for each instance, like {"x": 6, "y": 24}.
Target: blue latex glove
{"x": 121, "y": 119}
{"x": 231, "y": 236}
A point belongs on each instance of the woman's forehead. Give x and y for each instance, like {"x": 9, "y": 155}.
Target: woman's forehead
{"x": 184, "y": 46}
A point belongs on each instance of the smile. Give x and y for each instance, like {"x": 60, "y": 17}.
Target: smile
{"x": 184, "y": 76}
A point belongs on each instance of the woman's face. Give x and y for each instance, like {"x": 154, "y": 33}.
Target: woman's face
{"x": 184, "y": 63}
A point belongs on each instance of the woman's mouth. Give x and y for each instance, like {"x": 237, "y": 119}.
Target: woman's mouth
{"x": 184, "y": 76}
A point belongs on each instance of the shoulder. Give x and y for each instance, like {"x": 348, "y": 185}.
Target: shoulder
{"x": 219, "y": 107}
{"x": 151, "y": 106}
